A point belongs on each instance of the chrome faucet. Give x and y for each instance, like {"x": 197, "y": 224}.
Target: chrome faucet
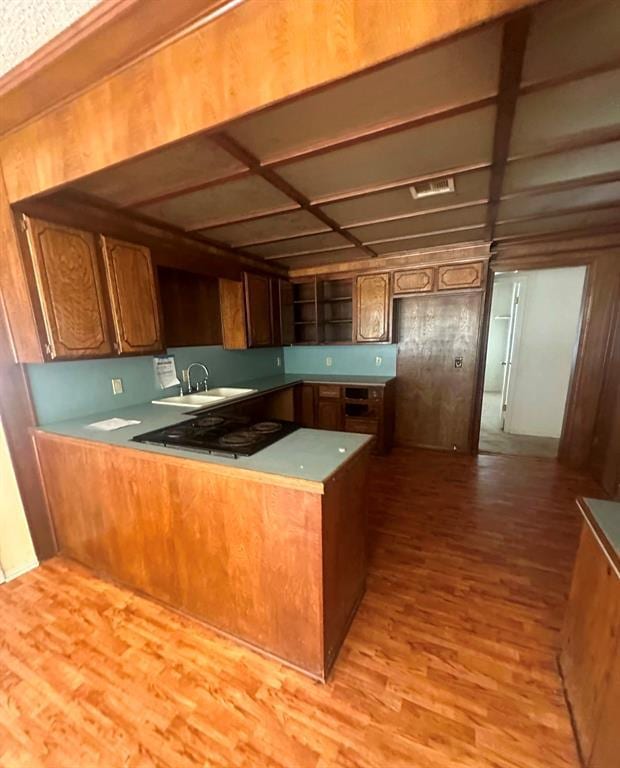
{"x": 200, "y": 384}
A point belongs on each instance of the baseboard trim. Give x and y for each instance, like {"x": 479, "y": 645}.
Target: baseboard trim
{"x": 15, "y": 572}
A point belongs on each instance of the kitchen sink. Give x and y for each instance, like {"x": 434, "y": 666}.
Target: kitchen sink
{"x": 230, "y": 391}
{"x": 195, "y": 400}
{"x": 204, "y": 399}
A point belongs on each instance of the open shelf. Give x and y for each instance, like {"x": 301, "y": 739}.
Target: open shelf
{"x": 337, "y": 298}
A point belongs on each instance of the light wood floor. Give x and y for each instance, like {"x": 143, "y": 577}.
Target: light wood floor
{"x": 450, "y": 662}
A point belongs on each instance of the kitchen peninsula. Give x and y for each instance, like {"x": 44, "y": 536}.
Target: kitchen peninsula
{"x": 268, "y": 548}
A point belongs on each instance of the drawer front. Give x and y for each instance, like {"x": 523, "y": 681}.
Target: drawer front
{"x": 414, "y": 281}
{"x": 329, "y": 390}
{"x": 363, "y": 426}
{"x": 460, "y": 276}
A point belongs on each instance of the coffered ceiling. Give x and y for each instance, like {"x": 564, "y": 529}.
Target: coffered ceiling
{"x": 523, "y": 115}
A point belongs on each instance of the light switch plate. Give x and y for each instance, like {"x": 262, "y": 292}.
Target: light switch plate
{"x": 117, "y": 386}
{"x": 278, "y": 361}
{"x": 378, "y": 361}
{"x": 329, "y": 361}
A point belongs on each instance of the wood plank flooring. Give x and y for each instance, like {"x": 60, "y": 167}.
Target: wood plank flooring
{"x": 450, "y": 662}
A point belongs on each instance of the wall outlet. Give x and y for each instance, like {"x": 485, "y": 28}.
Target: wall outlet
{"x": 378, "y": 361}
{"x": 278, "y": 361}
{"x": 117, "y": 386}
{"x": 329, "y": 361}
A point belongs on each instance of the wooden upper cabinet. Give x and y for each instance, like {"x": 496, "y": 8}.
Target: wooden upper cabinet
{"x": 258, "y": 310}
{"x": 134, "y": 297}
{"x": 70, "y": 291}
{"x": 414, "y": 280}
{"x": 451, "y": 277}
{"x": 372, "y": 307}
{"x": 285, "y": 301}
{"x": 232, "y": 311}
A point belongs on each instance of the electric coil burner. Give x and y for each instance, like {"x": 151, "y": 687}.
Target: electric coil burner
{"x": 221, "y": 435}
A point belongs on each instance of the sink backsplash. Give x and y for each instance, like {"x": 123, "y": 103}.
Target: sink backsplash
{"x": 72, "y": 389}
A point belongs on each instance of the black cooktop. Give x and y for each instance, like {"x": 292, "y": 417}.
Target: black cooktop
{"x": 221, "y": 435}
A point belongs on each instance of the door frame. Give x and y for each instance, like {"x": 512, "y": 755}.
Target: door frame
{"x": 573, "y": 426}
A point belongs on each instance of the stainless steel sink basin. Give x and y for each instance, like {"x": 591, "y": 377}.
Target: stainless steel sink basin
{"x": 195, "y": 400}
{"x": 230, "y": 391}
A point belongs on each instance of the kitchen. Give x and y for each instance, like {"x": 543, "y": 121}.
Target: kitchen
{"x": 285, "y": 303}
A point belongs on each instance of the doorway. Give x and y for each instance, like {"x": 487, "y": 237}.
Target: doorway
{"x": 533, "y": 332}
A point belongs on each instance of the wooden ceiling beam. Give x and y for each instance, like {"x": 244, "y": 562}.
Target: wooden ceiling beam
{"x": 565, "y": 212}
{"x": 514, "y": 40}
{"x": 240, "y": 153}
{"x": 564, "y": 186}
{"x": 186, "y": 190}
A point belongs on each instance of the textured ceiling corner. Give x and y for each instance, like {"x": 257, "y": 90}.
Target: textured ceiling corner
{"x": 27, "y": 25}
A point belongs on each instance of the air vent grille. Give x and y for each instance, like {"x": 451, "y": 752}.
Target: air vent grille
{"x": 432, "y": 187}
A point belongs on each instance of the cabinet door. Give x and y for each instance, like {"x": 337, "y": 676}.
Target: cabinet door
{"x": 414, "y": 280}
{"x": 134, "y": 297}
{"x": 454, "y": 276}
{"x": 372, "y": 305}
{"x": 329, "y": 414}
{"x": 232, "y": 311}
{"x": 71, "y": 291}
{"x": 305, "y": 411}
{"x": 258, "y": 309}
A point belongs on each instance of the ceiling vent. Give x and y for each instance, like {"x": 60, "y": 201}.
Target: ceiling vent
{"x": 432, "y": 187}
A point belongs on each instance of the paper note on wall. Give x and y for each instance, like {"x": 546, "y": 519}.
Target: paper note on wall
{"x": 165, "y": 371}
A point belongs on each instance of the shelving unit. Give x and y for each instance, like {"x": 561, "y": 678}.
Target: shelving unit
{"x": 306, "y": 313}
{"x": 337, "y": 300}
{"x": 323, "y": 311}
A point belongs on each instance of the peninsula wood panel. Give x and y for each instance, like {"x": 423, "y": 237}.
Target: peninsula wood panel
{"x": 199, "y": 68}
{"x": 134, "y": 296}
{"x": 372, "y": 307}
{"x": 590, "y": 639}
{"x": 220, "y": 549}
{"x": 434, "y": 398}
{"x": 70, "y": 290}
{"x": 606, "y": 745}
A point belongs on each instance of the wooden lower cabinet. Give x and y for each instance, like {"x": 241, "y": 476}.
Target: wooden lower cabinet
{"x": 278, "y": 563}
{"x": 590, "y": 653}
{"x": 329, "y": 414}
{"x": 367, "y": 410}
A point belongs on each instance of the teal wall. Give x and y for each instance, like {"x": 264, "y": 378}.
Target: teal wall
{"x": 354, "y": 359}
{"x": 70, "y": 390}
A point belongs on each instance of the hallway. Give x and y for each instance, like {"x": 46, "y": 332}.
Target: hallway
{"x": 450, "y": 662}
{"x": 494, "y": 440}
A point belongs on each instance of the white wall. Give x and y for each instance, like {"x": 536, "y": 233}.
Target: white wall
{"x": 546, "y": 337}
{"x": 498, "y": 332}
{"x": 17, "y": 553}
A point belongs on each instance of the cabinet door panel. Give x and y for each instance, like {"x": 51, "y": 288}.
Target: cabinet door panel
{"x": 372, "y": 303}
{"x": 413, "y": 280}
{"x": 134, "y": 297}
{"x": 329, "y": 414}
{"x": 71, "y": 291}
{"x": 459, "y": 276}
{"x": 258, "y": 308}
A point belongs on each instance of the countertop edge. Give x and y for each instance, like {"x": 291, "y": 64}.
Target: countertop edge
{"x": 269, "y": 478}
{"x": 606, "y": 545}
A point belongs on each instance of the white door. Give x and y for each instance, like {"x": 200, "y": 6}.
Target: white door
{"x": 510, "y": 347}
